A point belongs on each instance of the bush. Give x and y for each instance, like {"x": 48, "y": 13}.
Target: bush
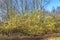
{"x": 30, "y": 24}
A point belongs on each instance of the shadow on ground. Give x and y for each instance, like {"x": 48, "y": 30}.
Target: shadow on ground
{"x": 21, "y": 38}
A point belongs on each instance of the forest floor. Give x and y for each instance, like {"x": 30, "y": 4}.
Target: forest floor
{"x": 18, "y": 37}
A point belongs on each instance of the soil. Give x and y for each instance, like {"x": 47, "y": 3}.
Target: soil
{"x": 18, "y": 37}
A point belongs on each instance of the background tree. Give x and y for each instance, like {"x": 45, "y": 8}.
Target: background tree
{"x": 44, "y": 3}
{"x": 26, "y": 5}
{"x": 22, "y": 5}
{"x": 34, "y": 3}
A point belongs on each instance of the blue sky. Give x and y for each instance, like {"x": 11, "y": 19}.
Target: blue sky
{"x": 53, "y": 3}
{"x": 50, "y": 6}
